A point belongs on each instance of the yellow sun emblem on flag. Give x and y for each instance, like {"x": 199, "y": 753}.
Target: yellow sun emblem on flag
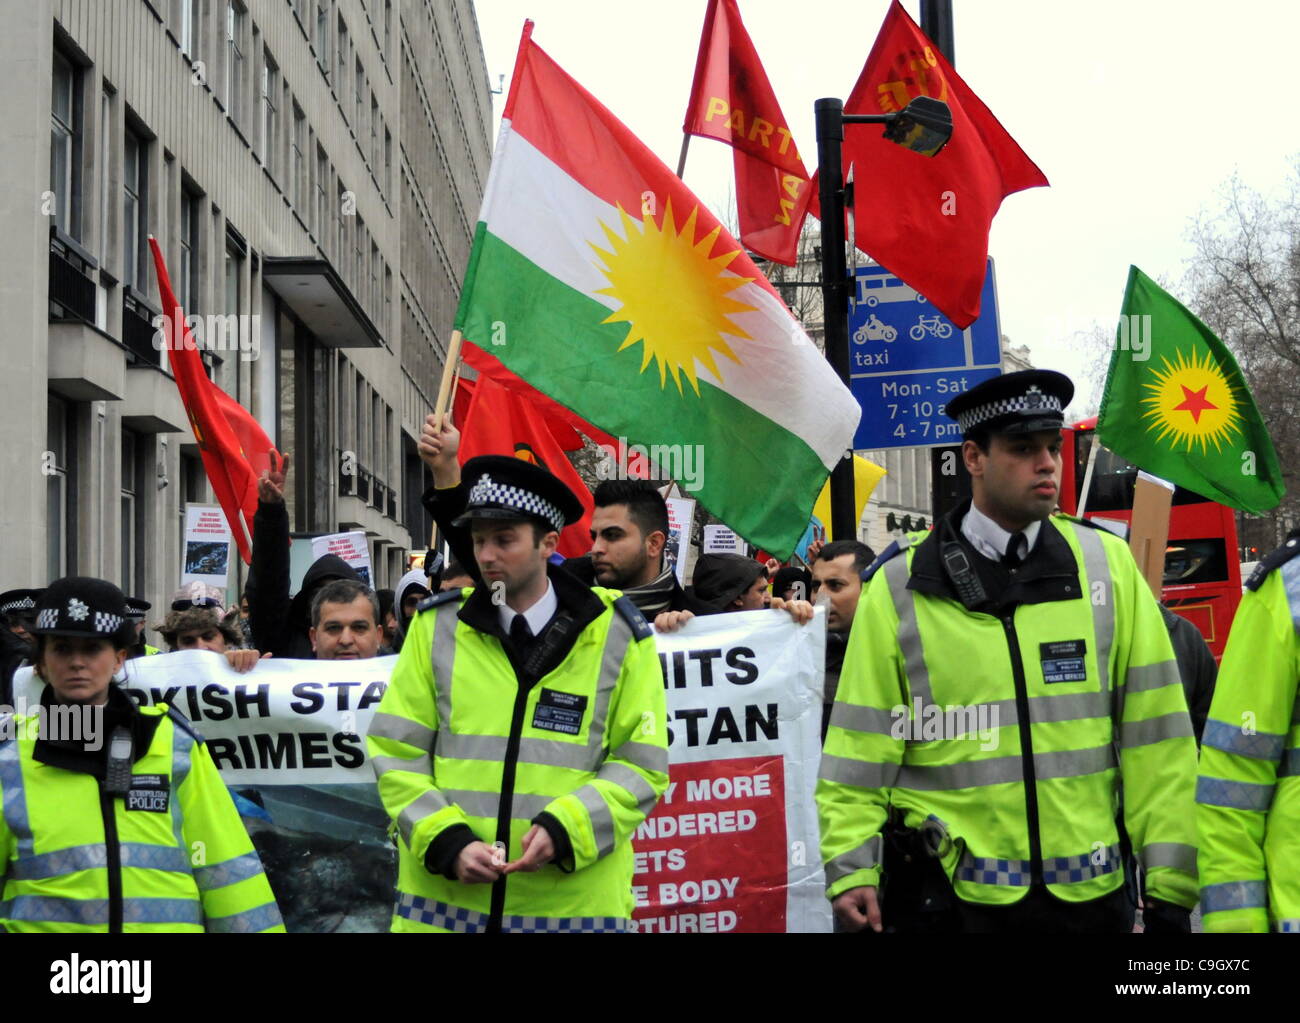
{"x": 674, "y": 294}
{"x": 1192, "y": 402}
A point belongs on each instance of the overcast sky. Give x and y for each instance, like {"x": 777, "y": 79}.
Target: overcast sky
{"x": 1138, "y": 112}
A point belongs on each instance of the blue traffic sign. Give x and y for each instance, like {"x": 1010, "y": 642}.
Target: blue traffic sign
{"x": 906, "y": 359}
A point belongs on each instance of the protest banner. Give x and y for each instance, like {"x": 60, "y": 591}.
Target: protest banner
{"x": 681, "y": 516}
{"x": 206, "y": 558}
{"x": 351, "y": 547}
{"x": 734, "y": 845}
{"x": 722, "y": 540}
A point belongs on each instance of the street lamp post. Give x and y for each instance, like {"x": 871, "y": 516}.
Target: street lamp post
{"x": 924, "y": 126}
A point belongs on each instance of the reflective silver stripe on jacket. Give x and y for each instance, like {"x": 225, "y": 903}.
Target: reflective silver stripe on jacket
{"x": 864, "y": 857}
{"x": 492, "y": 748}
{"x": 863, "y": 774}
{"x": 1175, "y": 725}
{"x": 1056, "y": 869}
{"x": 94, "y": 857}
{"x": 433, "y": 913}
{"x": 1237, "y": 795}
{"x": 997, "y": 770}
{"x": 487, "y": 804}
{"x": 1169, "y": 854}
{"x": 1287, "y": 926}
{"x": 1231, "y": 739}
{"x": 1217, "y": 898}
{"x": 628, "y": 779}
{"x": 1100, "y": 594}
{"x": 897, "y": 572}
{"x": 250, "y": 921}
{"x": 602, "y": 821}
{"x": 390, "y": 726}
{"x": 15, "y": 799}
{"x": 94, "y": 912}
{"x": 442, "y": 655}
{"x": 182, "y": 746}
{"x": 1291, "y": 583}
{"x": 426, "y": 804}
{"x": 617, "y": 640}
{"x": 228, "y": 872}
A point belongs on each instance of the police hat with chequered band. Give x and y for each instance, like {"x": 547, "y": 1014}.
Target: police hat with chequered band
{"x": 1023, "y": 402}
{"x": 136, "y": 607}
{"x": 78, "y": 605}
{"x": 18, "y": 601}
{"x": 504, "y": 487}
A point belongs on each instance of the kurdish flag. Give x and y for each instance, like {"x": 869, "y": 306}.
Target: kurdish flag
{"x": 1175, "y": 404}
{"x": 601, "y": 280}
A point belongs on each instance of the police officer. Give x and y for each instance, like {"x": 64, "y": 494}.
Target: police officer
{"x": 115, "y": 818}
{"x": 522, "y": 737}
{"x": 17, "y": 612}
{"x": 1007, "y": 675}
{"x": 1248, "y": 793}
{"x": 136, "y": 608}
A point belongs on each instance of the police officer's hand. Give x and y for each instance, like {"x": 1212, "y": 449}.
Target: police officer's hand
{"x": 671, "y": 621}
{"x": 858, "y": 908}
{"x": 439, "y": 443}
{"x": 477, "y": 864}
{"x": 270, "y": 485}
{"x": 800, "y": 610}
{"x": 538, "y": 848}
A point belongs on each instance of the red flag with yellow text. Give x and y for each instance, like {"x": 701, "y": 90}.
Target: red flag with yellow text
{"x": 732, "y": 101}
{"x": 927, "y": 219}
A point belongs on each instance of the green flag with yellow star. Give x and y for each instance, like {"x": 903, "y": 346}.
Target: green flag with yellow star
{"x": 1176, "y": 405}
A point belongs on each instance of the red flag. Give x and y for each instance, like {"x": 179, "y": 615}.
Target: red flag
{"x": 500, "y": 421}
{"x": 732, "y": 101}
{"x": 233, "y": 446}
{"x": 927, "y": 219}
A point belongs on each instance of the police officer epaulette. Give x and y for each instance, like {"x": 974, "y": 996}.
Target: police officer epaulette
{"x": 184, "y": 724}
{"x": 1279, "y": 557}
{"x": 633, "y": 616}
{"x": 896, "y": 548}
{"x": 445, "y": 597}
{"x": 1084, "y": 522}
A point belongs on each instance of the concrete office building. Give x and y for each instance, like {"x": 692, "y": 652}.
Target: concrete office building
{"x": 312, "y": 170}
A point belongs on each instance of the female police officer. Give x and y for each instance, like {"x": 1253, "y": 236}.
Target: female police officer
{"x": 115, "y": 818}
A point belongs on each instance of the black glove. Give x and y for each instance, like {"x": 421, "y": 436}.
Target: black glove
{"x": 1159, "y": 917}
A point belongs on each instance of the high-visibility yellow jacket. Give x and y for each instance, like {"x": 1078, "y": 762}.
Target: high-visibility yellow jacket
{"x": 458, "y": 740}
{"x": 170, "y": 856}
{"x": 1248, "y": 793}
{"x": 1013, "y": 731}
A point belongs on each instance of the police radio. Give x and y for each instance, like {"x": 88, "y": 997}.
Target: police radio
{"x": 117, "y": 779}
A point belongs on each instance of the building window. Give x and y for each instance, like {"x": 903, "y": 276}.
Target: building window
{"x": 323, "y": 35}
{"x": 359, "y": 264}
{"x": 322, "y": 183}
{"x": 235, "y": 18}
{"x": 105, "y": 154}
{"x": 359, "y": 100}
{"x": 298, "y": 170}
{"x": 189, "y": 275}
{"x": 135, "y": 218}
{"x": 234, "y": 275}
{"x": 388, "y": 30}
{"x": 128, "y": 524}
{"x": 189, "y": 17}
{"x": 60, "y": 501}
{"x": 374, "y": 133}
{"x": 387, "y": 181}
{"x": 65, "y": 146}
{"x": 341, "y": 78}
{"x": 270, "y": 121}
{"x": 341, "y": 250}
{"x": 374, "y": 281}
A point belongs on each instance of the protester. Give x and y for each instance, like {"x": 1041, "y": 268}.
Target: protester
{"x": 143, "y": 770}
{"x": 837, "y": 573}
{"x": 571, "y": 794}
{"x": 731, "y": 582}
{"x": 411, "y": 589}
{"x": 195, "y": 624}
{"x": 281, "y": 627}
{"x": 455, "y": 577}
{"x": 344, "y": 621}
{"x": 387, "y": 621}
{"x": 792, "y": 582}
{"x": 1008, "y": 824}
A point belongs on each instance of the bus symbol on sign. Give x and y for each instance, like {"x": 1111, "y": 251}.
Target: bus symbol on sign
{"x": 885, "y": 288}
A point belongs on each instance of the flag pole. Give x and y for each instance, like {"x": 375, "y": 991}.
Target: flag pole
{"x": 1087, "y": 476}
{"x": 446, "y": 387}
{"x": 681, "y": 159}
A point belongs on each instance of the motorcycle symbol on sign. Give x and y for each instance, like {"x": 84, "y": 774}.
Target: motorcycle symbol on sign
{"x": 930, "y": 325}
{"x": 874, "y": 329}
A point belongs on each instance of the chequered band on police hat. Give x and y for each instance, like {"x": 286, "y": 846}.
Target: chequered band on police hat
{"x": 487, "y": 491}
{"x": 1031, "y": 402}
{"x": 105, "y": 622}
{"x": 48, "y": 618}
{"x": 18, "y": 604}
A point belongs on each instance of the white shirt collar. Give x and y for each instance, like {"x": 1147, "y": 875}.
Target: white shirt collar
{"x": 536, "y": 616}
{"x": 990, "y": 539}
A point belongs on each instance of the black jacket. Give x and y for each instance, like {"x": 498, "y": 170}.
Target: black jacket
{"x": 280, "y": 625}
{"x": 1196, "y": 667}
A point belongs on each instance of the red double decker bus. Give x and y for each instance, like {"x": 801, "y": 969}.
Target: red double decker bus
{"x": 1202, "y": 571}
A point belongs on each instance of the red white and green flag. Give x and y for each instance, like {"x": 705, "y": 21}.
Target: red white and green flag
{"x": 601, "y": 280}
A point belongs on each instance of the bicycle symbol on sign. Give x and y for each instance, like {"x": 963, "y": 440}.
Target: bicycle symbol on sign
{"x": 929, "y": 325}
{"x": 875, "y": 329}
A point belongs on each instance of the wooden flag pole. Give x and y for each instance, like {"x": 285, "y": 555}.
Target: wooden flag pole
{"x": 1087, "y": 476}
{"x": 446, "y": 390}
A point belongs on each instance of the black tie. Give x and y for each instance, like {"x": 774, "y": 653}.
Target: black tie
{"x": 521, "y": 636}
{"x": 1012, "y": 557}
